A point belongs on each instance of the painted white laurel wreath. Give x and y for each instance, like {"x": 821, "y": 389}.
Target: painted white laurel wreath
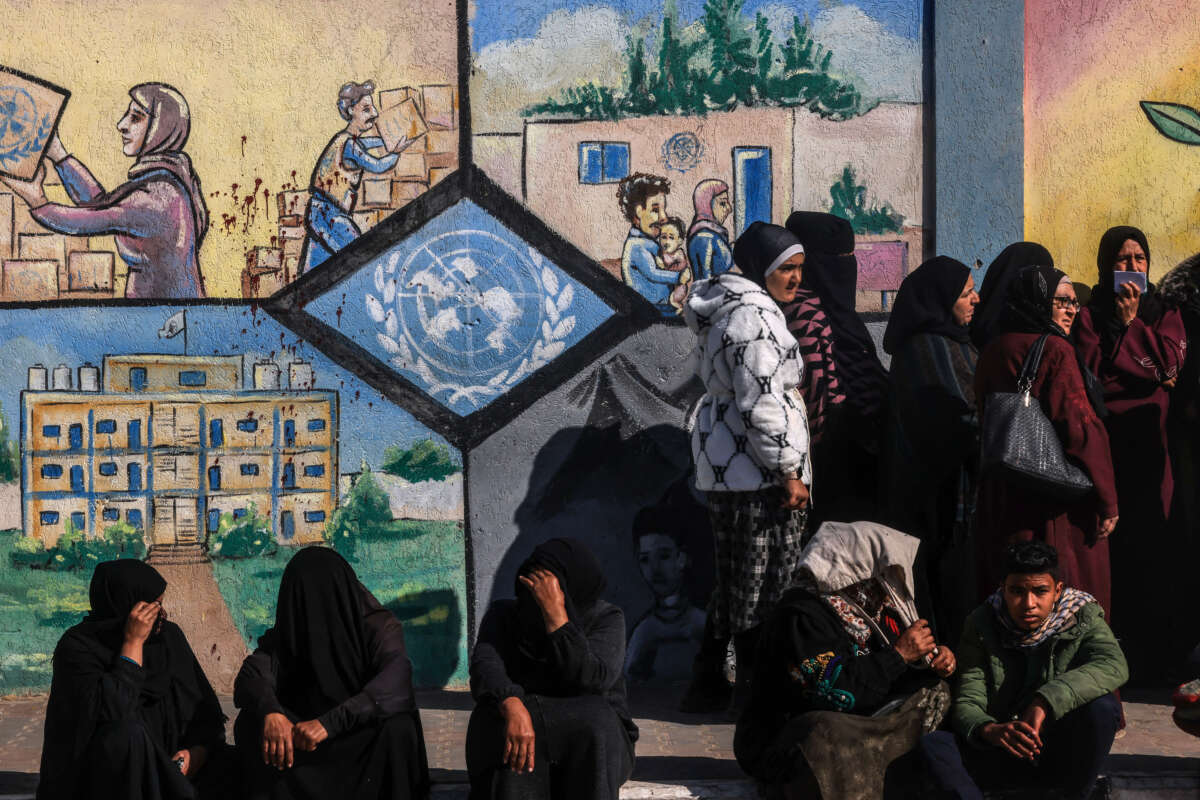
{"x": 555, "y": 329}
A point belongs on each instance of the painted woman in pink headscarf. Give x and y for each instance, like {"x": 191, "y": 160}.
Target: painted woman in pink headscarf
{"x": 158, "y": 216}
{"x": 707, "y": 239}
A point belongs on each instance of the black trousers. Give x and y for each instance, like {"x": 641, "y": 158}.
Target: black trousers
{"x": 1073, "y": 752}
{"x": 581, "y": 752}
{"x": 124, "y": 761}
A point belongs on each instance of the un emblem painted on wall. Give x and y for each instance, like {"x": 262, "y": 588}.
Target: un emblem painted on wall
{"x": 682, "y": 152}
{"x": 29, "y": 110}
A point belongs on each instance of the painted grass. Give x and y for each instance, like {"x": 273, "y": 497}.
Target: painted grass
{"x": 418, "y": 573}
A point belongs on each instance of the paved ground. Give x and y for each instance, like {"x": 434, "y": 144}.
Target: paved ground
{"x": 681, "y": 755}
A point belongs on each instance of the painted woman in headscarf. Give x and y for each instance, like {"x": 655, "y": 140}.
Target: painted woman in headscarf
{"x": 750, "y": 447}
{"x": 551, "y": 718}
{"x": 329, "y": 219}
{"x": 327, "y": 704}
{"x": 158, "y": 216}
{"x": 1136, "y": 346}
{"x": 932, "y": 441}
{"x": 845, "y": 384}
{"x": 131, "y": 714}
{"x": 1008, "y": 513}
{"x": 707, "y": 238}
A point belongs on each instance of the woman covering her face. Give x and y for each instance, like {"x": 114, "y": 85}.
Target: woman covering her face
{"x": 131, "y": 714}
{"x": 158, "y": 216}
{"x": 327, "y": 705}
{"x": 932, "y": 439}
{"x": 1135, "y": 345}
{"x": 1077, "y": 529}
{"x": 551, "y": 718}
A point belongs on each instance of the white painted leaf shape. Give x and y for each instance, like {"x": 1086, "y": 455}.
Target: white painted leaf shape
{"x": 379, "y": 278}
{"x": 389, "y": 292}
{"x": 391, "y": 324}
{"x": 374, "y": 308}
{"x": 550, "y": 280}
{"x": 565, "y": 299}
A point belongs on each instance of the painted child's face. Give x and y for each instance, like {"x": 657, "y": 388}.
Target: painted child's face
{"x": 669, "y": 238}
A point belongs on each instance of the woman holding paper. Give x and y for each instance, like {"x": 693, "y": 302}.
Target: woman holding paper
{"x": 335, "y": 181}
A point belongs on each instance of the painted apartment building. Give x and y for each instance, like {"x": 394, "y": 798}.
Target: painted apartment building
{"x": 170, "y": 443}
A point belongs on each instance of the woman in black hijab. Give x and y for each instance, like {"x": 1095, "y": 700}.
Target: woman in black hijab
{"x": 933, "y": 428}
{"x": 993, "y": 296}
{"x": 844, "y": 383}
{"x": 327, "y": 699}
{"x": 130, "y": 714}
{"x": 551, "y": 718}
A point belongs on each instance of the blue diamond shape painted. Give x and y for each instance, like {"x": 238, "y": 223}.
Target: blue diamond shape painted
{"x": 464, "y": 308}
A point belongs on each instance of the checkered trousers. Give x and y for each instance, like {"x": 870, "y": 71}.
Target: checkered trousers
{"x": 758, "y": 556}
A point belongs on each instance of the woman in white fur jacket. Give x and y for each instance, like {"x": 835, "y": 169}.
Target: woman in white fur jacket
{"x": 750, "y": 447}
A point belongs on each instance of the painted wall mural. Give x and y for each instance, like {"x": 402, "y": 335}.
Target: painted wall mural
{"x": 211, "y": 173}
{"x": 1125, "y": 165}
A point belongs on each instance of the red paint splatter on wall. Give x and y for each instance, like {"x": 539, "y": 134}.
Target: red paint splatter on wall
{"x": 243, "y": 145}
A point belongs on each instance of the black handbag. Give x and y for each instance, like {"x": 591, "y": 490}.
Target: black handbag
{"x": 1020, "y": 444}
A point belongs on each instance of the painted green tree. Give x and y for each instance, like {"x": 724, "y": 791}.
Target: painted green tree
{"x": 10, "y": 456}
{"x": 724, "y": 61}
{"x": 424, "y": 461}
{"x": 850, "y": 203}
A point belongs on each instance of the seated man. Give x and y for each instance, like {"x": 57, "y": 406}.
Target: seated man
{"x": 551, "y": 718}
{"x": 837, "y": 693}
{"x": 130, "y": 714}
{"x": 1034, "y": 703}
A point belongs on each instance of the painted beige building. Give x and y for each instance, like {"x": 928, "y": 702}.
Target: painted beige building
{"x": 171, "y": 459}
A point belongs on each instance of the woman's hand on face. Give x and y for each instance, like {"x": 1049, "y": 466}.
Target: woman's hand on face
{"x": 795, "y": 493}
{"x": 1128, "y": 300}
{"x": 543, "y": 585}
{"x": 277, "y": 749}
{"x": 140, "y": 622}
{"x": 307, "y": 735}
{"x": 31, "y": 191}
{"x": 518, "y": 735}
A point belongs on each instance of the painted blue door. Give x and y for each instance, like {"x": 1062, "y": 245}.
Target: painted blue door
{"x": 287, "y": 525}
{"x": 75, "y": 436}
{"x": 77, "y": 479}
{"x": 214, "y": 478}
{"x": 135, "y": 434}
{"x": 289, "y": 433}
{"x": 137, "y": 379}
{"x": 134, "y": 517}
{"x": 214, "y": 520}
{"x": 216, "y": 433}
{"x": 289, "y": 476}
{"x": 78, "y": 522}
{"x": 752, "y": 186}
{"x": 135, "y": 477}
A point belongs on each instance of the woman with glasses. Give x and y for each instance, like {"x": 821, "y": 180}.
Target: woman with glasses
{"x": 1135, "y": 345}
{"x": 1041, "y": 302}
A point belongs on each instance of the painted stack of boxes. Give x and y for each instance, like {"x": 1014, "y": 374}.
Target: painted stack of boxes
{"x": 434, "y": 111}
{"x": 36, "y": 264}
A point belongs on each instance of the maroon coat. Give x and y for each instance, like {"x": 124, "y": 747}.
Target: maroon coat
{"x": 1007, "y": 513}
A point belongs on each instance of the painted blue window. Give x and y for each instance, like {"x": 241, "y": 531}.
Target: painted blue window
{"x": 316, "y": 425}
{"x": 603, "y": 162}
{"x": 214, "y": 478}
{"x": 214, "y": 520}
{"x": 249, "y": 469}
{"x": 108, "y": 469}
{"x": 314, "y": 516}
{"x": 78, "y": 520}
{"x": 752, "y": 186}
{"x": 288, "y": 481}
{"x": 314, "y": 470}
{"x": 287, "y": 525}
{"x": 137, "y": 379}
{"x": 289, "y": 433}
{"x": 111, "y": 515}
{"x": 51, "y": 431}
{"x": 238, "y": 513}
{"x": 106, "y": 426}
{"x": 216, "y": 433}
{"x": 193, "y": 377}
{"x": 134, "y": 517}
{"x": 135, "y": 434}
{"x": 48, "y": 517}
{"x": 51, "y": 471}
{"x": 247, "y": 425}
{"x": 75, "y": 437}
{"x": 77, "y": 478}
{"x": 135, "y": 477}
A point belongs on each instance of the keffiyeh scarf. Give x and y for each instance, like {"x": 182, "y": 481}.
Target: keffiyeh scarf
{"x": 1062, "y": 617}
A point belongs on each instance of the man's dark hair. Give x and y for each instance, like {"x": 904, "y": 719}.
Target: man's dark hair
{"x": 636, "y": 189}
{"x": 1031, "y": 558}
{"x": 662, "y": 520}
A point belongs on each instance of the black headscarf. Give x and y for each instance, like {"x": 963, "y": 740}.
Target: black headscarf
{"x": 925, "y": 303}
{"x": 320, "y": 625}
{"x": 118, "y": 586}
{"x": 1030, "y": 302}
{"x": 993, "y": 295}
{"x": 1103, "y": 303}
{"x": 760, "y": 246}
{"x": 831, "y": 271}
{"x": 579, "y": 574}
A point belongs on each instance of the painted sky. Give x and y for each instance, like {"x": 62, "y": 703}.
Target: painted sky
{"x": 51, "y": 337}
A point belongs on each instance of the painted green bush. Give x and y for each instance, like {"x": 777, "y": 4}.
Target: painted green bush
{"x": 74, "y": 552}
{"x": 850, "y": 203}
{"x": 242, "y": 537}
{"x": 424, "y": 461}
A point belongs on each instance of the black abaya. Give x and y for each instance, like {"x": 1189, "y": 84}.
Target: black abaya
{"x": 111, "y": 724}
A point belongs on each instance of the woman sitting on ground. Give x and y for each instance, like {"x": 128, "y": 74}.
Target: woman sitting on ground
{"x": 130, "y": 714}
{"x": 551, "y": 718}
{"x": 327, "y": 699}
{"x": 837, "y": 695}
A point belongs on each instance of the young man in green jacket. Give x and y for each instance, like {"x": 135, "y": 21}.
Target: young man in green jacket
{"x": 1033, "y": 705}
